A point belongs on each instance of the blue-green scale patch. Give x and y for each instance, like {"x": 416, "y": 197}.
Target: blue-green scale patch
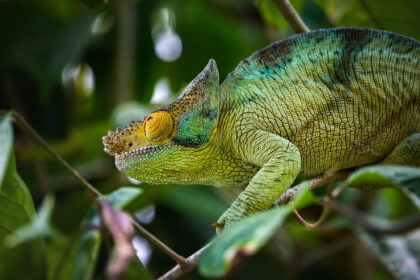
{"x": 195, "y": 126}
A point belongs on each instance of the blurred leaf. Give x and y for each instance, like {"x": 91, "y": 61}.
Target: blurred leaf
{"x": 333, "y": 9}
{"x": 123, "y": 196}
{"x": 136, "y": 271}
{"x": 39, "y": 227}
{"x": 6, "y": 141}
{"x": 243, "y": 238}
{"x": 130, "y": 111}
{"x": 39, "y": 44}
{"x": 303, "y": 198}
{"x": 272, "y": 15}
{"x": 89, "y": 243}
{"x": 200, "y": 203}
{"x": 397, "y": 16}
{"x": 61, "y": 253}
{"x": 392, "y": 204}
{"x": 87, "y": 254}
{"x": 119, "y": 225}
{"x": 16, "y": 210}
{"x": 95, "y": 3}
{"x": 16, "y": 206}
{"x": 400, "y": 254}
{"x": 404, "y": 178}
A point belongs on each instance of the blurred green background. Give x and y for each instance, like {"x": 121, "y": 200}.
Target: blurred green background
{"x": 76, "y": 69}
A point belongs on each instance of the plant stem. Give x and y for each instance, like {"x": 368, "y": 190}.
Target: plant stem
{"x": 291, "y": 16}
{"x": 328, "y": 178}
{"x": 177, "y": 271}
{"x": 324, "y": 215}
{"x": 180, "y": 260}
{"x": 19, "y": 120}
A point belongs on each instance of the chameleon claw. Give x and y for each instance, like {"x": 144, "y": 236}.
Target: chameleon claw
{"x": 219, "y": 226}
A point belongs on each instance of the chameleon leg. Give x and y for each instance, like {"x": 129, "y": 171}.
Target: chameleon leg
{"x": 406, "y": 153}
{"x": 279, "y": 160}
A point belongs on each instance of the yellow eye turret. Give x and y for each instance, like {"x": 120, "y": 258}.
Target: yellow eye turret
{"x": 158, "y": 126}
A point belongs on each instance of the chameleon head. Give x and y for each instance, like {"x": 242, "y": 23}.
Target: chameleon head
{"x": 169, "y": 145}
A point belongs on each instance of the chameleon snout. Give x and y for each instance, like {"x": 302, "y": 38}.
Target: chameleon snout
{"x": 122, "y": 140}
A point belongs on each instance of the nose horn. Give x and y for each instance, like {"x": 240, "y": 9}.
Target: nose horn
{"x": 121, "y": 140}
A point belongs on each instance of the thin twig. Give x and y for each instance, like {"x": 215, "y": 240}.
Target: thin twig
{"x": 180, "y": 260}
{"x": 177, "y": 271}
{"x": 19, "y": 120}
{"x": 324, "y": 215}
{"x": 328, "y": 178}
{"x": 291, "y": 16}
{"x": 326, "y": 209}
{"x": 378, "y": 226}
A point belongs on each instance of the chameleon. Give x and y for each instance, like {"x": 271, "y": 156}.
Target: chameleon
{"x": 335, "y": 98}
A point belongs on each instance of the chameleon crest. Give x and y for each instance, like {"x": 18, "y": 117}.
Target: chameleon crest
{"x": 335, "y": 98}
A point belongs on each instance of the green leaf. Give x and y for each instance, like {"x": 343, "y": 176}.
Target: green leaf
{"x": 245, "y": 237}
{"x": 95, "y": 3}
{"x": 16, "y": 205}
{"x": 198, "y": 203}
{"x": 16, "y": 210}
{"x": 123, "y": 196}
{"x": 404, "y": 178}
{"x": 400, "y": 254}
{"x": 6, "y": 140}
{"x": 375, "y": 14}
{"x": 303, "y": 198}
{"x": 61, "y": 253}
{"x": 87, "y": 253}
{"x": 39, "y": 227}
{"x": 136, "y": 271}
{"x": 89, "y": 243}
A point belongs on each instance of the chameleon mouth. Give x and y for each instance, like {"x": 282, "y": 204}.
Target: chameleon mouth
{"x": 136, "y": 155}
{"x": 141, "y": 151}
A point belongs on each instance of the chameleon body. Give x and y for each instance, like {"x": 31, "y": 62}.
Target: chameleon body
{"x": 327, "y": 99}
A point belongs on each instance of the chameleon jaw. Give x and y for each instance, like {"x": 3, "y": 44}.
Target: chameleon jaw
{"x": 141, "y": 151}
{"x": 136, "y": 154}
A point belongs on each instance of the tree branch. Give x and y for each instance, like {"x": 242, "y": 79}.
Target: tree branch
{"x": 20, "y": 121}
{"x": 329, "y": 177}
{"x": 291, "y": 16}
{"x": 324, "y": 215}
{"x": 191, "y": 263}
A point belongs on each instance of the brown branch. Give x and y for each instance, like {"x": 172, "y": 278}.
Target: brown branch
{"x": 329, "y": 177}
{"x": 20, "y": 121}
{"x": 324, "y": 215}
{"x": 291, "y": 16}
{"x": 326, "y": 207}
{"x": 178, "y": 270}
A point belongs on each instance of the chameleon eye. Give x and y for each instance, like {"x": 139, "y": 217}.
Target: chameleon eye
{"x": 158, "y": 126}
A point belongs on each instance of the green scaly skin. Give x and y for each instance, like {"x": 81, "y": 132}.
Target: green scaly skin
{"x": 335, "y": 98}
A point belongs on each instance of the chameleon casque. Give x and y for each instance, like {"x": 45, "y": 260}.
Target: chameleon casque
{"x": 334, "y": 98}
